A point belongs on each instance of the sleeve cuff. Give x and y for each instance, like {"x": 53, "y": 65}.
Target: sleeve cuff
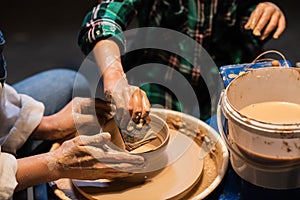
{"x": 8, "y": 169}
{"x": 31, "y": 114}
{"x": 99, "y": 30}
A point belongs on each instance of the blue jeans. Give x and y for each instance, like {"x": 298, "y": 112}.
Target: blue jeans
{"x": 55, "y": 89}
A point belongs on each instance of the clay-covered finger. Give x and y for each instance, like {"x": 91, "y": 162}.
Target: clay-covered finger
{"x": 142, "y": 107}
{"x": 262, "y": 22}
{"x": 272, "y": 25}
{"x": 102, "y": 106}
{"x": 280, "y": 28}
{"x": 137, "y": 113}
{"x": 126, "y": 167}
{"x": 135, "y": 104}
{"x": 122, "y": 158}
{"x": 146, "y": 104}
{"x": 94, "y": 140}
{"x": 111, "y": 156}
{"x": 131, "y": 101}
{"x": 254, "y": 17}
{"x": 137, "y": 101}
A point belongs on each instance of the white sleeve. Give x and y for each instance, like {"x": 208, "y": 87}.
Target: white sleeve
{"x": 8, "y": 169}
{"x": 19, "y": 116}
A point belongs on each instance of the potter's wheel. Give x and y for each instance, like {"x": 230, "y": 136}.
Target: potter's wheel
{"x": 171, "y": 182}
{"x": 213, "y": 171}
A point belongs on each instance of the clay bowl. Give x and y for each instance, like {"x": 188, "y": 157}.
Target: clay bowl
{"x": 154, "y": 152}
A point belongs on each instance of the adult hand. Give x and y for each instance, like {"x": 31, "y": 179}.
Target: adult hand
{"x": 84, "y": 116}
{"x": 265, "y": 19}
{"x": 90, "y": 158}
{"x": 90, "y": 114}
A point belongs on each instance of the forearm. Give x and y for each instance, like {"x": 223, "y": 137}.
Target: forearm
{"x": 107, "y": 55}
{"x": 35, "y": 170}
{"x": 57, "y": 126}
{"x": 45, "y": 129}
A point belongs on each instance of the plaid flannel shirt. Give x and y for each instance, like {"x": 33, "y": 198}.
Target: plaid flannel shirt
{"x": 215, "y": 24}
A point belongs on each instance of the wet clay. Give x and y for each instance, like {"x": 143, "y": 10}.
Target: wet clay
{"x": 276, "y": 112}
{"x": 213, "y": 161}
{"x": 146, "y": 147}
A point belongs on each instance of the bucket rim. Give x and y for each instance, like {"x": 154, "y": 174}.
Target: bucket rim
{"x": 284, "y": 131}
{"x": 230, "y": 144}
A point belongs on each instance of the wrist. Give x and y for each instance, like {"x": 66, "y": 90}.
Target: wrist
{"x": 46, "y": 126}
{"x": 114, "y": 71}
{"x": 53, "y": 166}
{"x": 112, "y": 78}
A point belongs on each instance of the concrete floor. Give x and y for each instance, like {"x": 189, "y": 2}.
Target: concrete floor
{"x": 42, "y": 35}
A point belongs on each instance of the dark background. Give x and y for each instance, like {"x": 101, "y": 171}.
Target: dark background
{"x": 42, "y": 35}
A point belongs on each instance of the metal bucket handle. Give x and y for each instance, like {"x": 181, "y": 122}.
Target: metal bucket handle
{"x": 259, "y": 59}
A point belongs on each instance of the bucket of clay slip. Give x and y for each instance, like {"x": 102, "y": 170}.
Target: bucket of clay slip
{"x": 259, "y": 119}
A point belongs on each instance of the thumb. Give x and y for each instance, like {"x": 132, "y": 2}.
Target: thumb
{"x": 94, "y": 140}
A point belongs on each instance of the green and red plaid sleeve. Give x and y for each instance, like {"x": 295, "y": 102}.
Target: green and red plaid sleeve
{"x": 215, "y": 24}
{"x": 106, "y": 20}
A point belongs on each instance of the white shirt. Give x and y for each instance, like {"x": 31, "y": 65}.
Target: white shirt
{"x": 19, "y": 116}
